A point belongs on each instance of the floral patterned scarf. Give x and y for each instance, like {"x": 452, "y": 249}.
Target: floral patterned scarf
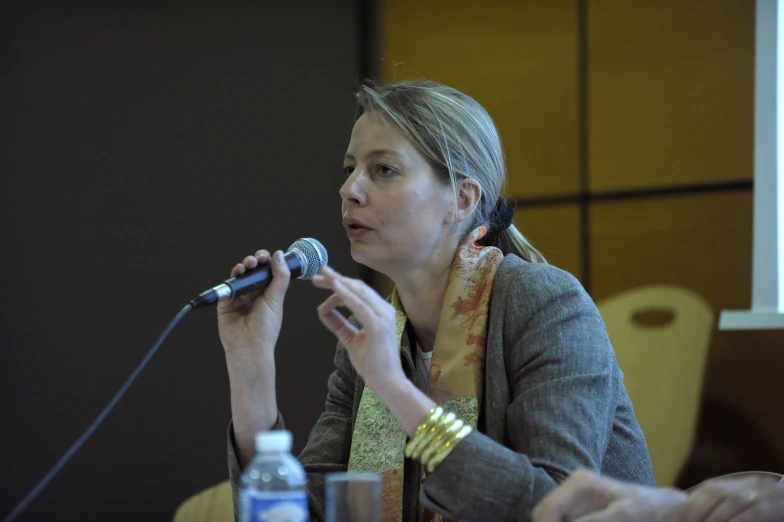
{"x": 456, "y": 372}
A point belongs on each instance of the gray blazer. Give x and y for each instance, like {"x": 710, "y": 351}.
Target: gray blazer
{"x": 554, "y": 401}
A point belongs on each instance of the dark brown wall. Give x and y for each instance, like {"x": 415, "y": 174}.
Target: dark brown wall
{"x": 145, "y": 150}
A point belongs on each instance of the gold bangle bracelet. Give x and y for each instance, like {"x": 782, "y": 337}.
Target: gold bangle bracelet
{"x": 433, "y": 432}
{"x": 439, "y": 442}
{"x": 436, "y": 437}
{"x": 434, "y": 415}
{"x": 423, "y": 430}
{"x": 447, "y": 448}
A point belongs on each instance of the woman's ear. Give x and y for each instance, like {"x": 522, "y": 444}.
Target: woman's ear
{"x": 469, "y": 193}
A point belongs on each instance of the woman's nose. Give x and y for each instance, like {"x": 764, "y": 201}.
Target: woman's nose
{"x": 351, "y": 191}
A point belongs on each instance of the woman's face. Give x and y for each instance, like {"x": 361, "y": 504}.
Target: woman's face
{"x": 396, "y": 210}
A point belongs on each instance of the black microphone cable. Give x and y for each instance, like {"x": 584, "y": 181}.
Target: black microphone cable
{"x": 97, "y": 422}
{"x": 306, "y": 255}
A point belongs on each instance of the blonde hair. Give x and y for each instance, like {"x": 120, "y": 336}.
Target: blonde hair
{"x": 459, "y": 139}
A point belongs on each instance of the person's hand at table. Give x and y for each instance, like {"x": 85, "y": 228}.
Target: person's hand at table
{"x": 747, "y": 499}
{"x": 587, "y": 497}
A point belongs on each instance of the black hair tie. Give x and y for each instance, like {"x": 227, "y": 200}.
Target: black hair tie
{"x": 502, "y": 216}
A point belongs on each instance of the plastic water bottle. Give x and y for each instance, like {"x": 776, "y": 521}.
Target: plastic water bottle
{"x": 273, "y": 485}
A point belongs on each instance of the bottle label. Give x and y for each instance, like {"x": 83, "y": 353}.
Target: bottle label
{"x": 274, "y": 506}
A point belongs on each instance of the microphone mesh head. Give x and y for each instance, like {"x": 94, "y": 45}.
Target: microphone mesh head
{"x": 313, "y": 253}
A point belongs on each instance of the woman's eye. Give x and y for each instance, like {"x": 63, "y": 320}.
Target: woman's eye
{"x": 348, "y": 170}
{"x": 385, "y": 171}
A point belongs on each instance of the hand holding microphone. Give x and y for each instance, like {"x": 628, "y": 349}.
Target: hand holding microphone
{"x": 252, "y": 321}
{"x": 250, "y": 314}
{"x": 250, "y": 303}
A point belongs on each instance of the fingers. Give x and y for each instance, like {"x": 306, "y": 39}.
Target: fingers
{"x": 281, "y": 276}
{"x": 727, "y": 508}
{"x": 334, "y": 320}
{"x": 768, "y": 508}
{"x": 703, "y": 503}
{"x": 582, "y": 493}
{"x": 250, "y": 262}
{"x": 357, "y": 295}
{"x": 328, "y": 279}
{"x": 320, "y": 281}
{"x": 733, "y": 500}
{"x": 355, "y": 303}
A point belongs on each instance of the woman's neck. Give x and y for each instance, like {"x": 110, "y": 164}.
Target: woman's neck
{"x": 422, "y": 295}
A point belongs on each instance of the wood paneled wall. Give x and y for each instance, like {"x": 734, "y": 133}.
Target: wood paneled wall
{"x": 628, "y": 130}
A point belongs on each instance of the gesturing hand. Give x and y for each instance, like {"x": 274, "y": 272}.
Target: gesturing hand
{"x": 373, "y": 349}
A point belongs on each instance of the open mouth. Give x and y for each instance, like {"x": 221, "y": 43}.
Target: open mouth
{"x": 352, "y": 224}
{"x": 354, "y": 229}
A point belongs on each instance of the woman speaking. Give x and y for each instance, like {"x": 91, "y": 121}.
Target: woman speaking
{"x": 487, "y": 376}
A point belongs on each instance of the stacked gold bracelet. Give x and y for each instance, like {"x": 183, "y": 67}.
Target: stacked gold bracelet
{"x": 435, "y": 438}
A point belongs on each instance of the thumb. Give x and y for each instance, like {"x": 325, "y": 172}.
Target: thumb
{"x": 281, "y": 275}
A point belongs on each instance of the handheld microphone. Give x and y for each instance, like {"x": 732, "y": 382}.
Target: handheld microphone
{"x": 305, "y": 258}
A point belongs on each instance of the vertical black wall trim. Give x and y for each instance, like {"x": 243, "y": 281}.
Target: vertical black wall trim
{"x": 583, "y": 141}
{"x": 369, "y": 38}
